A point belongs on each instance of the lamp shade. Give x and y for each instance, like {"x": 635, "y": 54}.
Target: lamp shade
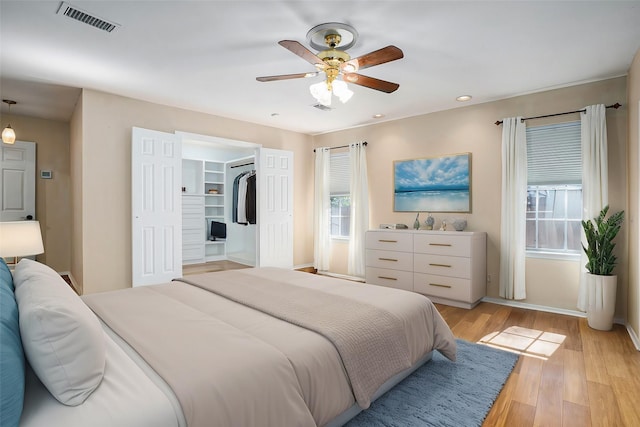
{"x": 20, "y": 238}
{"x": 8, "y": 135}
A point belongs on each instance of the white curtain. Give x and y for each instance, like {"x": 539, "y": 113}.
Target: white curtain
{"x": 322, "y": 210}
{"x": 514, "y": 209}
{"x": 595, "y": 182}
{"x": 359, "y": 222}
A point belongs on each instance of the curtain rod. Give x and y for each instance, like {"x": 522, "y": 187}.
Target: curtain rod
{"x": 616, "y": 106}
{"x": 342, "y": 146}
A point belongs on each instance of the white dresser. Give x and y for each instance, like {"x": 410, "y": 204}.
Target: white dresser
{"x": 450, "y": 267}
{"x": 193, "y": 230}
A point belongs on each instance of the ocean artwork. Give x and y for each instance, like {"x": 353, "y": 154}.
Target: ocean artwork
{"x": 439, "y": 184}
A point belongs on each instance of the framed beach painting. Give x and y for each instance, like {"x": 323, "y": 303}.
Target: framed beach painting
{"x": 438, "y": 184}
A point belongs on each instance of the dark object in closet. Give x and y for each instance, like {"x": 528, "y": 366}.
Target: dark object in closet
{"x": 218, "y": 230}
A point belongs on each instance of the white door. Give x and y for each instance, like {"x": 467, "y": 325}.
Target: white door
{"x": 156, "y": 231}
{"x": 275, "y": 208}
{"x": 17, "y": 181}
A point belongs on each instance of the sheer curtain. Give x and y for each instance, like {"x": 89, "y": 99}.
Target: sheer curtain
{"x": 595, "y": 182}
{"x": 359, "y": 222}
{"x": 514, "y": 209}
{"x": 322, "y": 210}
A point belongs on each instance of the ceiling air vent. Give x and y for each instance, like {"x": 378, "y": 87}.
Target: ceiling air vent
{"x": 322, "y": 107}
{"x": 80, "y": 15}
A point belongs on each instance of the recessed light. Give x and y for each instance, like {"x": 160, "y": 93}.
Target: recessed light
{"x": 378, "y": 116}
{"x": 463, "y": 98}
{"x": 275, "y": 114}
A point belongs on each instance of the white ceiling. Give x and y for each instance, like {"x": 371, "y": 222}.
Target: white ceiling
{"x": 205, "y": 55}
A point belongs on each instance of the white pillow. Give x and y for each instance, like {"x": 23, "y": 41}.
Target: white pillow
{"x": 61, "y": 336}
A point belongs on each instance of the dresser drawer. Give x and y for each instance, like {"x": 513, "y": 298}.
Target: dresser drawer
{"x": 390, "y": 278}
{"x": 389, "y": 259}
{"x": 390, "y": 241}
{"x": 193, "y": 221}
{"x": 193, "y": 236}
{"x": 192, "y": 252}
{"x": 452, "y": 288}
{"x": 192, "y": 201}
{"x": 442, "y": 244}
{"x": 441, "y": 265}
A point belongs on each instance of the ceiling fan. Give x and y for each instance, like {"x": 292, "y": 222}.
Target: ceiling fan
{"x": 334, "y": 61}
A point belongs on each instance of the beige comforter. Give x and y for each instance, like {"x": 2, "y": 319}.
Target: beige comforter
{"x": 239, "y": 366}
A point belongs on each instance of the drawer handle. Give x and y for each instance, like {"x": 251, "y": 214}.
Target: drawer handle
{"x": 387, "y": 278}
{"x": 439, "y": 244}
{"x": 387, "y": 241}
{"x": 388, "y": 259}
{"x": 440, "y": 265}
{"x": 439, "y": 285}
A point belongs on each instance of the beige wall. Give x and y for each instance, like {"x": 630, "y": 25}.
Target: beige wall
{"x": 472, "y": 129}
{"x": 633, "y": 207}
{"x": 75, "y": 126}
{"x": 53, "y": 207}
{"x": 105, "y": 167}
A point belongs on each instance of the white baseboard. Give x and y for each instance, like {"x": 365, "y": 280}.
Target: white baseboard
{"x": 518, "y": 304}
{"x": 341, "y": 276}
{"x": 634, "y": 337}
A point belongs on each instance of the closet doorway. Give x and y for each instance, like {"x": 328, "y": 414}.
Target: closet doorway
{"x": 248, "y": 198}
{"x": 200, "y": 189}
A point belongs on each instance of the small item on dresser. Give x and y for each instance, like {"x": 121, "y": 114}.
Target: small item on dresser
{"x": 459, "y": 224}
{"x": 416, "y": 223}
{"x": 429, "y": 222}
{"x": 443, "y": 226}
{"x": 393, "y": 226}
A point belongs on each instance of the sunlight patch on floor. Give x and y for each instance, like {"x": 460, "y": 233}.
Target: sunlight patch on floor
{"x": 525, "y": 341}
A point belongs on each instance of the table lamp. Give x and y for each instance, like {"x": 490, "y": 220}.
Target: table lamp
{"x": 20, "y": 239}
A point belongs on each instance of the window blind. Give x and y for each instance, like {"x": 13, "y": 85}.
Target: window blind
{"x": 554, "y": 154}
{"x": 339, "y": 174}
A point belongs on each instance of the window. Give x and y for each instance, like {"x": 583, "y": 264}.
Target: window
{"x": 554, "y": 191}
{"x": 339, "y": 194}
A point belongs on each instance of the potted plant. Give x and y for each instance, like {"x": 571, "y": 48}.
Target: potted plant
{"x": 601, "y": 282}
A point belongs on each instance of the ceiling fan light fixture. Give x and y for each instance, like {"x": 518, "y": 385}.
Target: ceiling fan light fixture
{"x": 342, "y": 91}
{"x": 321, "y": 93}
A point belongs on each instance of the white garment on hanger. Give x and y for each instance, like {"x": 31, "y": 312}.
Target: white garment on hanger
{"x": 242, "y": 199}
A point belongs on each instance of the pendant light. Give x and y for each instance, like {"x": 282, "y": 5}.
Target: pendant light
{"x": 8, "y": 134}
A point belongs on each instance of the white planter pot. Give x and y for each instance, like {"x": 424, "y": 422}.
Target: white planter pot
{"x": 601, "y": 302}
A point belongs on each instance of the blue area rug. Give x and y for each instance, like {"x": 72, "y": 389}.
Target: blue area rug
{"x": 444, "y": 393}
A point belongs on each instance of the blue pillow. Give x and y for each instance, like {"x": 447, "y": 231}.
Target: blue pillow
{"x": 12, "y": 365}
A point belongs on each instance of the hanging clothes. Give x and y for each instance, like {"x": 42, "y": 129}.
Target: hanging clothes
{"x": 244, "y": 198}
{"x": 251, "y": 198}
{"x": 234, "y": 205}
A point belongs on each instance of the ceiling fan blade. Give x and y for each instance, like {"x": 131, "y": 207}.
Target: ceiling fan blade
{"x": 370, "y": 82}
{"x": 380, "y": 56}
{"x": 286, "y": 77}
{"x": 302, "y": 52}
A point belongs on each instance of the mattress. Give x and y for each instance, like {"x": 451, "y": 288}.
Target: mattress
{"x": 133, "y": 393}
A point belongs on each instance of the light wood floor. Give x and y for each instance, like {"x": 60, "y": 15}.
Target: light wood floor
{"x": 593, "y": 379}
{"x": 211, "y": 266}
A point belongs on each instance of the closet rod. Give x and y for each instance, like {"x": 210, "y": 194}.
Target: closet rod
{"x": 342, "y": 146}
{"x": 616, "y": 106}
{"x": 239, "y": 166}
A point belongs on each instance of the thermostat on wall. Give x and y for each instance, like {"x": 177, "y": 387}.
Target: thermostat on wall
{"x": 46, "y": 174}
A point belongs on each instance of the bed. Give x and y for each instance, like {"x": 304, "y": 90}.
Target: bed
{"x": 251, "y": 347}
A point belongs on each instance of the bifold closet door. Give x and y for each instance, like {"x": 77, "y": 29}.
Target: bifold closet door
{"x": 275, "y": 208}
{"x": 156, "y": 230}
